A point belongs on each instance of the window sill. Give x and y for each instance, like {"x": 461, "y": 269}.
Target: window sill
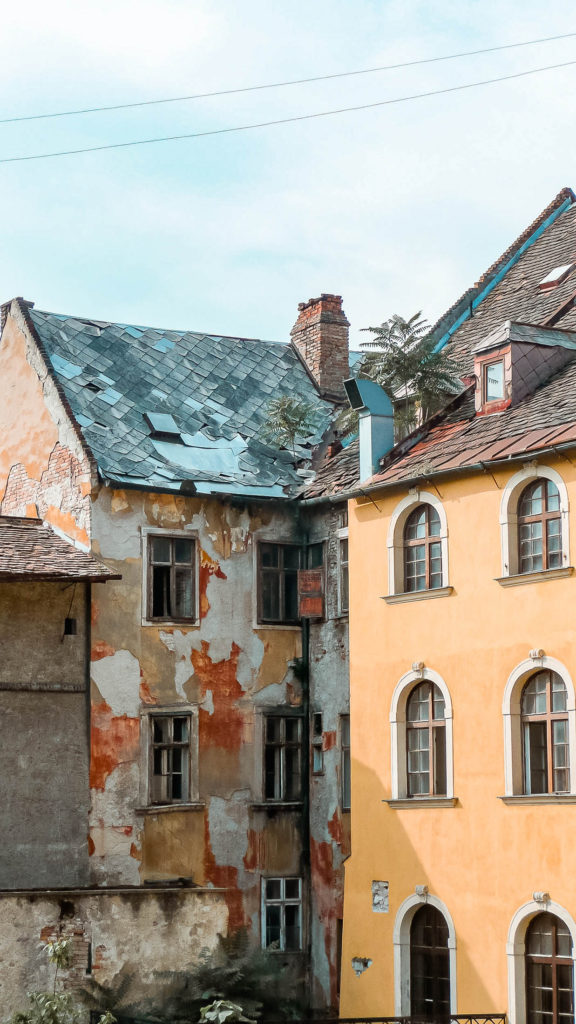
{"x": 539, "y": 798}
{"x": 169, "y": 623}
{"x": 197, "y": 805}
{"x": 535, "y": 577}
{"x": 278, "y": 625}
{"x": 277, "y": 805}
{"x": 417, "y": 595}
{"x": 413, "y": 802}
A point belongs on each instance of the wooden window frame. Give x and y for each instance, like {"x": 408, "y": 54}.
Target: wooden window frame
{"x": 431, "y": 725}
{"x": 149, "y": 538}
{"x": 547, "y": 717}
{"x": 427, "y": 541}
{"x": 485, "y": 367}
{"x": 282, "y": 902}
{"x": 280, "y": 571}
{"x": 435, "y": 952}
{"x": 553, "y": 961}
{"x": 544, "y": 518}
{"x": 345, "y": 762}
{"x": 343, "y": 570}
{"x": 170, "y": 745}
{"x": 282, "y": 745}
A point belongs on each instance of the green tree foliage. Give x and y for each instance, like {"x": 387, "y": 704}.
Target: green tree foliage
{"x": 286, "y": 420}
{"x": 401, "y": 357}
{"x": 55, "y": 1007}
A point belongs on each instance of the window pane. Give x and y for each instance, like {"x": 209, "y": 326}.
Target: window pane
{"x": 180, "y": 730}
{"x": 183, "y": 594}
{"x": 535, "y": 754}
{"x": 552, "y": 497}
{"x": 293, "y": 781}
{"x": 161, "y": 591}
{"x": 315, "y": 556}
{"x": 290, "y": 597}
{"x": 292, "y": 918}
{"x": 272, "y": 773}
{"x": 269, "y": 555}
{"x": 433, "y": 521}
{"x": 292, "y": 556}
{"x": 273, "y": 888}
{"x": 160, "y": 729}
{"x": 440, "y": 760}
{"x": 418, "y": 709}
{"x": 270, "y": 590}
{"x": 292, "y": 888}
{"x": 494, "y": 381}
{"x": 161, "y": 549}
{"x": 273, "y": 728}
{"x": 416, "y": 524}
{"x": 293, "y": 729}
{"x": 273, "y": 927}
{"x": 183, "y": 549}
{"x": 534, "y": 695}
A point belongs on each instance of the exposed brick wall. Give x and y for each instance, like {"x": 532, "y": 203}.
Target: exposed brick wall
{"x": 61, "y": 496}
{"x": 320, "y": 336}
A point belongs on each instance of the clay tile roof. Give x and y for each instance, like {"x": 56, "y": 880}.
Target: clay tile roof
{"x": 29, "y": 550}
{"x": 336, "y": 474}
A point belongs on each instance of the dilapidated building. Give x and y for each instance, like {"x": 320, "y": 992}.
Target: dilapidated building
{"x": 193, "y": 777}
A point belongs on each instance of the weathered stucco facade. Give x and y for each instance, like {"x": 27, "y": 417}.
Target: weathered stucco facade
{"x": 246, "y": 821}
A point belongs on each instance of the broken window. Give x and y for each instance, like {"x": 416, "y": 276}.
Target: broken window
{"x": 317, "y": 744}
{"x": 343, "y": 576}
{"x": 282, "y": 914}
{"x": 345, "y": 761}
{"x": 171, "y": 578}
{"x": 282, "y": 758}
{"x": 170, "y": 759}
{"x": 278, "y": 566}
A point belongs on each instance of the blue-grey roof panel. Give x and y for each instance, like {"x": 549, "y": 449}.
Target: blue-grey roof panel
{"x": 217, "y": 389}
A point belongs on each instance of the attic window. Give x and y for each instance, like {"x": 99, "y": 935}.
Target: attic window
{"x": 555, "y": 277}
{"x": 93, "y": 385}
{"x": 494, "y": 381}
{"x": 163, "y": 425}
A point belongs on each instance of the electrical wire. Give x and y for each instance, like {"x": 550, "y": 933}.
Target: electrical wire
{"x": 281, "y": 85}
{"x": 284, "y": 120}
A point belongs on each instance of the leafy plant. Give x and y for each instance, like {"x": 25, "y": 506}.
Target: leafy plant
{"x": 287, "y": 419}
{"x": 402, "y": 358}
{"x": 55, "y": 1007}
{"x": 222, "y": 1011}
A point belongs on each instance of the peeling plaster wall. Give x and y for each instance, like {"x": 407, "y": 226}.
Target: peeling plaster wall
{"x": 329, "y": 825}
{"x": 144, "y": 932}
{"x": 43, "y": 736}
{"x": 43, "y": 467}
{"x": 227, "y": 670}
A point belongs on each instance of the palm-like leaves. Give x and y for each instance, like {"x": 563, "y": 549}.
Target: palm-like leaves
{"x": 286, "y": 420}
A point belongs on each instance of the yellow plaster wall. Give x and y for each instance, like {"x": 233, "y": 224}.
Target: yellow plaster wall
{"x": 482, "y": 858}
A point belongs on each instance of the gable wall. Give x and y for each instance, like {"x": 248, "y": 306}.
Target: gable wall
{"x": 42, "y": 463}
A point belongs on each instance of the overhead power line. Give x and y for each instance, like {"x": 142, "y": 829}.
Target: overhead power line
{"x": 285, "y": 120}
{"x": 281, "y": 85}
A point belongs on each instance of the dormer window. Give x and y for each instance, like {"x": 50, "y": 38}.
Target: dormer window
{"x": 494, "y": 381}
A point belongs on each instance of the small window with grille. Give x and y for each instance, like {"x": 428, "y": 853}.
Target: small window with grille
{"x": 282, "y": 914}
{"x": 170, "y": 758}
{"x": 171, "y": 591}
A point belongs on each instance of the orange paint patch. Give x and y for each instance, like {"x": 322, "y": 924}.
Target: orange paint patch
{"x": 224, "y": 877}
{"x": 91, "y": 846}
{"x": 112, "y": 741}
{"x": 65, "y": 522}
{"x": 329, "y": 740}
{"x": 146, "y": 696}
{"x": 335, "y": 827}
{"x": 101, "y": 650}
{"x": 135, "y": 852}
{"x": 225, "y": 727}
{"x": 327, "y": 889}
{"x": 208, "y": 567}
{"x": 252, "y": 857}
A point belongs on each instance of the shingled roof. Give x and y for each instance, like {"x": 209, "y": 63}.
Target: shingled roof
{"x": 30, "y": 550}
{"x": 508, "y": 290}
{"x": 215, "y": 389}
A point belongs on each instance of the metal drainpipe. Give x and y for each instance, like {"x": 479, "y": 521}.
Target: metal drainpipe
{"x": 305, "y": 857}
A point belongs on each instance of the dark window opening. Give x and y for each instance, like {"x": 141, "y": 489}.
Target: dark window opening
{"x": 278, "y": 566}
{"x": 282, "y": 923}
{"x": 283, "y": 758}
{"x": 171, "y": 583}
{"x": 345, "y": 761}
{"x": 170, "y": 759}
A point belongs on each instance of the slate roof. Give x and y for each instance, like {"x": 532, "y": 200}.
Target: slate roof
{"x": 216, "y": 388}
{"x": 31, "y": 551}
{"x": 507, "y": 291}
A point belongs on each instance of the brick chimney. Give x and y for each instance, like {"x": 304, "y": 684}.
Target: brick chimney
{"x": 320, "y": 337}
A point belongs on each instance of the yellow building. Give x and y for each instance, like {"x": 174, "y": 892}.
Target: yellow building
{"x": 460, "y": 892}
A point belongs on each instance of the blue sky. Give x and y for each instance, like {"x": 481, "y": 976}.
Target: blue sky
{"x": 398, "y": 209}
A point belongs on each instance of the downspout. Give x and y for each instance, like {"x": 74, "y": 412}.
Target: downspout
{"x": 305, "y": 854}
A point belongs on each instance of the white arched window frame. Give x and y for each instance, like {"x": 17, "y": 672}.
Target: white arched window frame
{"x": 402, "y": 926}
{"x": 516, "y": 948}
{"x": 511, "y": 710}
{"x": 399, "y": 774}
{"x": 395, "y": 541}
{"x": 509, "y": 516}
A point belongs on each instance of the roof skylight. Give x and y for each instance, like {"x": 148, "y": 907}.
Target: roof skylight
{"x": 162, "y": 424}
{"x": 555, "y": 277}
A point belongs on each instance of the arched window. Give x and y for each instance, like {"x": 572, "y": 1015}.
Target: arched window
{"x": 549, "y": 971}
{"x": 426, "y": 741}
{"x": 544, "y": 711}
{"x": 429, "y": 964}
{"x": 422, "y": 550}
{"x": 534, "y": 523}
{"x": 539, "y": 527}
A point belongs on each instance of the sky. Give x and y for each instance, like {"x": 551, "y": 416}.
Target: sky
{"x": 398, "y": 208}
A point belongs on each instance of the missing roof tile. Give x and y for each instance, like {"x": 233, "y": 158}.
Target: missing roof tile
{"x": 555, "y": 277}
{"x": 163, "y": 425}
